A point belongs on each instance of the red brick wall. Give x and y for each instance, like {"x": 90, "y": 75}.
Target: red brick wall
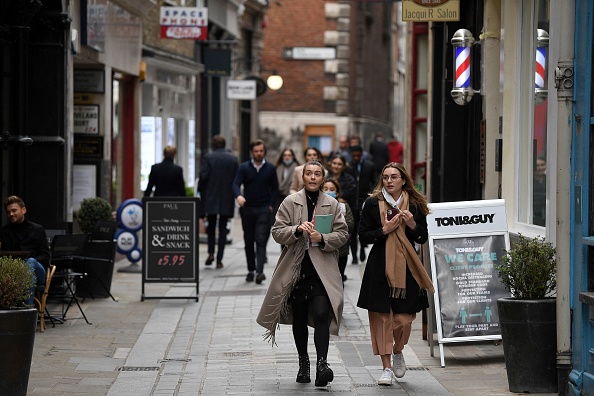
{"x": 296, "y": 23}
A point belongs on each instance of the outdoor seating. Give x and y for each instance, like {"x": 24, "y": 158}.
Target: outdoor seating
{"x": 65, "y": 250}
{"x": 41, "y": 293}
{"x": 96, "y": 261}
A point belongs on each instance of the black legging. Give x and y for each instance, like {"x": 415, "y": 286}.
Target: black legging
{"x": 321, "y": 309}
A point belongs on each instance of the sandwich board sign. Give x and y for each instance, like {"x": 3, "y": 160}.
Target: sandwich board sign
{"x": 466, "y": 242}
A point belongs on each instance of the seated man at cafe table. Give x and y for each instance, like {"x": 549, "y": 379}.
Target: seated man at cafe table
{"x": 22, "y": 235}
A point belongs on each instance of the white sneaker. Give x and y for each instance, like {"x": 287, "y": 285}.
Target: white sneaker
{"x": 398, "y": 365}
{"x": 386, "y": 378}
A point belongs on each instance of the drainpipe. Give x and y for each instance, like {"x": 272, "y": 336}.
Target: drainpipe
{"x": 565, "y": 33}
{"x": 490, "y": 89}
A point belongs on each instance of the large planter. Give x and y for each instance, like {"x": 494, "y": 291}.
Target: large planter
{"x": 17, "y": 336}
{"x": 528, "y": 332}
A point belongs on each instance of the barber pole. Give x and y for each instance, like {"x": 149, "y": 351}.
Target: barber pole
{"x": 540, "y": 73}
{"x": 462, "y": 41}
{"x": 462, "y": 67}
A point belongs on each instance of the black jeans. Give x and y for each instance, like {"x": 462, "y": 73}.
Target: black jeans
{"x": 320, "y": 308}
{"x": 211, "y": 232}
{"x": 256, "y": 230}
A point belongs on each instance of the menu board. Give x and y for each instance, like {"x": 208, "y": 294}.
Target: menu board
{"x": 170, "y": 248}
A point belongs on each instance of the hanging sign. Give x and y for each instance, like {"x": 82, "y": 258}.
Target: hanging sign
{"x": 430, "y": 10}
{"x": 467, "y": 242}
{"x": 184, "y": 23}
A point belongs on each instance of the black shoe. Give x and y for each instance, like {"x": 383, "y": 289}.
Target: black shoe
{"x": 303, "y": 373}
{"x": 209, "y": 260}
{"x": 260, "y": 278}
{"x": 220, "y": 264}
{"x": 324, "y": 373}
{"x": 249, "y": 277}
{"x": 363, "y": 256}
{"x": 355, "y": 262}
{"x": 344, "y": 278}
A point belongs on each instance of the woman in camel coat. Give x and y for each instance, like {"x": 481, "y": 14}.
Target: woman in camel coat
{"x": 306, "y": 287}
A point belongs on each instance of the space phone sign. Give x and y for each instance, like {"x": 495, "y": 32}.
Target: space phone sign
{"x": 169, "y": 229}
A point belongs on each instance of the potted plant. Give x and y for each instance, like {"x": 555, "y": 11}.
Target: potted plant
{"x": 528, "y": 318}
{"x": 17, "y": 325}
{"x": 91, "y": 211}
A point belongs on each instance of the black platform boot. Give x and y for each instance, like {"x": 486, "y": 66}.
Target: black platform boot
{"x": 303, "y": 374}
{"x": 324, "y": 373}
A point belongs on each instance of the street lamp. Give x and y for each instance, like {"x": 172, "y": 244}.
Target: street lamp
{"x": 274, "y": 81}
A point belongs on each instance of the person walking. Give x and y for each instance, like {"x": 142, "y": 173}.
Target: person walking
{"x": 310, "y": 154}
{"x": 256, "y": 203}
{"x": 378, "y": 149}
{"x": 166, "y": 178}
{"x": 306, "y": 282}
{"x": 285, "y": 167}
{"x": 395, "y": 283}
{"x": 217, "y": 173}
{"x": 332, "y": 188}
{"x": 363, "y": 171}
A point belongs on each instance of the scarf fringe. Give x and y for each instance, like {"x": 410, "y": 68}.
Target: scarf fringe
{"x": 398, "y": 292}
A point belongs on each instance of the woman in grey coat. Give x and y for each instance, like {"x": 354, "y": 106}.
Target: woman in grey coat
{"x": 306, "y": 287}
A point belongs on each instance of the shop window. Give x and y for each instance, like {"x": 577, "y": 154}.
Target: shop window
{"x": 532, "y": 135}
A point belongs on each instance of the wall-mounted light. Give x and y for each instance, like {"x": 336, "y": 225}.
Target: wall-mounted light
{"x": 274, "y": 81}
{"x": 541, "y": 86}
{"x": 462, "y": 40}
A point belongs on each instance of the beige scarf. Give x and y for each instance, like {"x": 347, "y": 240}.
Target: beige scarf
{"x": 399, "y": 254}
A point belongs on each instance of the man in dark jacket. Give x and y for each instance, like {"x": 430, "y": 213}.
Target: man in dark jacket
{"x": 378, "y": 149}
{"x": 217, "y": 173}
{"x": 260, "y": 187}
{"x": 22, "y": 235}
{"x": 364, "y": 173}
{"x": 166, "y": 177}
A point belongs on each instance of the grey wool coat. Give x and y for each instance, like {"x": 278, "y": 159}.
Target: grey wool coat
{"x": 275, "y": 308}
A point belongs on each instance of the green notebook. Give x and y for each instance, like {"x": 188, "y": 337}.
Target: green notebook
{"x": 323, "y": 223}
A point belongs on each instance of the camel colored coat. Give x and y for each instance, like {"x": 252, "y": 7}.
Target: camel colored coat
{"x": 275, "y": 308}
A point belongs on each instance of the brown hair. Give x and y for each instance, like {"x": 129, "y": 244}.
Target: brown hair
{"x": 169, "y": 152}
{"x": 257, "y": 142}
{"x": 13, "y": 199}
{"x": 218, "y": 142}
{"x": 414, "y": 196}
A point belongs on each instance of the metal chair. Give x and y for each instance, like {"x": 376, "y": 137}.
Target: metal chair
{"x": 97, "y": 262}
{"x": 65, "y": 250}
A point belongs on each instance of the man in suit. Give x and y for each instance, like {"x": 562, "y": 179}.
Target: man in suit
{"x": 217, "y": 173}
{"x": 364, "y": 173}
{"x": 166, "y": 178}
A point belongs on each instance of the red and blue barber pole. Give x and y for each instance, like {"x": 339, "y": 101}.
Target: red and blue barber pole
{"x": 540, "y": 73}
{"x": 462, "y": 92}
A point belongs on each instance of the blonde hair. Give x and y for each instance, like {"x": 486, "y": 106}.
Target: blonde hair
{"x": 169, "y": 152}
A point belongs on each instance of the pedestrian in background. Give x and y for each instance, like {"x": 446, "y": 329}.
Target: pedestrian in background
{"x": 310, "y": 154}
{"x": 395, "y": 284}
{"x": 217, "y": 172}
{"x": 256, "y": 203}
{"x": 395, "y": 151}
{"x": 332, "y": 188}
{"x": 306, "y": 286}
{"x": 342, "y": 149}
{"x": 378, "y": 149}
{"x": 363, "y": 171}
{"x": 166, "y": 177}
{"x": 285, "y": 167}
